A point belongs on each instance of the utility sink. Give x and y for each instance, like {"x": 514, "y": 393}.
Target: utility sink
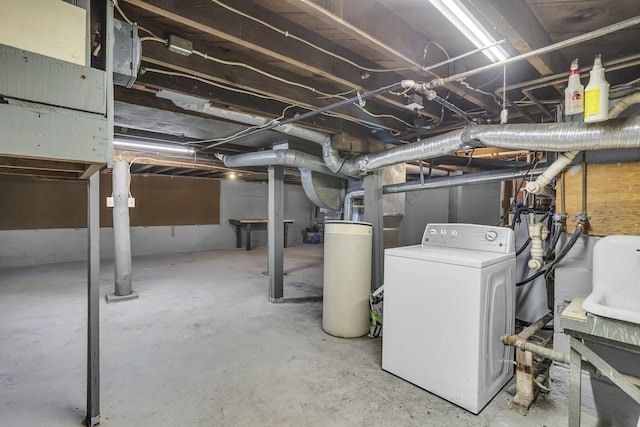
{"x": 616, "y": 279}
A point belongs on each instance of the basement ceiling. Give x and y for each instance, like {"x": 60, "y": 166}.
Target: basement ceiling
{"x": 277, "y": 58}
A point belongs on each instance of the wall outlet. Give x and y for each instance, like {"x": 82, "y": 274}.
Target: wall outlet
{"x": 132, "y": 202}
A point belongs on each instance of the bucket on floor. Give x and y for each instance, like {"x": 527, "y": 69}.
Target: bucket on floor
{"x": 347, "y": 278}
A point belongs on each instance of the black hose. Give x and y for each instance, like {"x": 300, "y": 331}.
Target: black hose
{"x": 524, "y": 246}
{"x": 552, "y": 265}
{"x": 554, "y": 240}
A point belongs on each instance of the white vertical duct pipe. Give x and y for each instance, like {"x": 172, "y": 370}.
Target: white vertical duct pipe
{"x": 121, "y": 232}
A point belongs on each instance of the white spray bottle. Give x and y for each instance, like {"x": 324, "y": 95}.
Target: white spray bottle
{"x": 596, "y": 94}
{"x": 574, "y": 93}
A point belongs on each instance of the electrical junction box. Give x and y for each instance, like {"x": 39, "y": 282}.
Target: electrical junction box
{"x": 131, "y": 202}
{"x": 180, "y": 45}
{"x": 414, "y": 102}
{"x": 126, "y": 53}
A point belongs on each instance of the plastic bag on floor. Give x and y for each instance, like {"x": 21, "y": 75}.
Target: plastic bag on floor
{"x": 375, "y": 312}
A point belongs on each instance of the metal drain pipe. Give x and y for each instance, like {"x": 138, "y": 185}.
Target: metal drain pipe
{"x": 520, "y": 341}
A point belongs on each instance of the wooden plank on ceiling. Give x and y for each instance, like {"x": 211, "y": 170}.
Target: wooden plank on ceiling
{"x": 520, "y": 26}
{"x": 211, "y": 19}
{"x": 41, "y": 164}
{"x": 377, "y": 27}
{"x": 159, "y": 55}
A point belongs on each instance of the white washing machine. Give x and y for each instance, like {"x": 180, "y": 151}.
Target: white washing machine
{"x": 447, "y": 301}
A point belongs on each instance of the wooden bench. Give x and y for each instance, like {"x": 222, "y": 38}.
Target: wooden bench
{"x": 249, "y": 224}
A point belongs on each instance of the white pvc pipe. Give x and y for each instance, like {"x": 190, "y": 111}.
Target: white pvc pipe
{"x": 539, "y": 186}
{"x": 623, "y": 104}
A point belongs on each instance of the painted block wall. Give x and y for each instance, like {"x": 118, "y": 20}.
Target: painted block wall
{"x": 474, "y": 204}
{"x": 237, "y": 200}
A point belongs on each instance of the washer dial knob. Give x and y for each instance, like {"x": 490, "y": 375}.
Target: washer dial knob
{"x": 491, "y": 235}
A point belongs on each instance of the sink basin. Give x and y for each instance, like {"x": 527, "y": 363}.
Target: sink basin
{"x": 616, "y": 279}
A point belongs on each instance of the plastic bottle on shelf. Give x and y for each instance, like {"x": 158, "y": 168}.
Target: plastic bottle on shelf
{"x": 596, "y": 94}
{"x": 574, "y": 93}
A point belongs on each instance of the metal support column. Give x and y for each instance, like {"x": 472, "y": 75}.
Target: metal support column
{"x": 575, "y": 386}
{"x": 373, "y": 213}
{"x": 275, "y": 228}
{"x": 93, "y": 284}
{"x": 121, "y": 234}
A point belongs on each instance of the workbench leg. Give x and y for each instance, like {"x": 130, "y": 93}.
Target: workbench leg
{"x": 609, "y": 371}
{"x": 276, "y": 233}
{"x": 575, "y": 386}
{"x": 286, "y": 233}
{"x": 93, "y": 294}
{"x": 238, "y": 236}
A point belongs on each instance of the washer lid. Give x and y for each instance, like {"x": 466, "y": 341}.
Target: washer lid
{"x": 454, "y": 256}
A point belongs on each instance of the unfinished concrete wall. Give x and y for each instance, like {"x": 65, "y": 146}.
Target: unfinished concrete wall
{"x": 237, "y": 200}
{"x": 421, "y": 208}
{"x": 474, "y": 204}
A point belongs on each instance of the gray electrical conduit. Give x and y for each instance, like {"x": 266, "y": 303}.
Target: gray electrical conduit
{"x": 451, "y": 181}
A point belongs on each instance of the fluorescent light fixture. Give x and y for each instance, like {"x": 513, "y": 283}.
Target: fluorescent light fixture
{"x": 458, "y": 14}
{"x": 153, "y": 147}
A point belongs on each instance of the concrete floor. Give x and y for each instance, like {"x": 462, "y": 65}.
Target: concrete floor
{"x": 204, "y": 347}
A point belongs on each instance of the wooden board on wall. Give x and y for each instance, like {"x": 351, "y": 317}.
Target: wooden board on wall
{"x": 613, "y": 198}
{"x": 32, "y": 203}
{"x": 29, "y": 203}
{"x": 167, "y": 200}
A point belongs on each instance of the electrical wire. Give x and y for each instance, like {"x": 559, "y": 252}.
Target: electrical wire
{"x": 436, "y": 44}
{"x": 471, "y": 88}
{"x": 243, "y": 131}
{"x": 155, "y": 38}
{"x": 129, "y": 21}
{"x": 267, "y": 74}
{"x": 257, "y": 95}
{"x": 308, "y": 43}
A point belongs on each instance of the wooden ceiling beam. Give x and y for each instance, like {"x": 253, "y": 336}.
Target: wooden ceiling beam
{"x": 159, "y": 55}
{"x": 39, "y": 172}
{"x": 41, "y": 164}
{"x": 520, "y": 26}
{"x": 379, "y": 28}
{"x": 206, "y": 16}
{"x": 224, "y": 99}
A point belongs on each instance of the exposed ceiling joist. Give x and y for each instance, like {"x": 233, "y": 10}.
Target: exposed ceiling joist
{"x": 248, "y": 34}
{"x": 159, "y": 55}
{"x": 518, "y": 24}
{"x": 387, "y": 34}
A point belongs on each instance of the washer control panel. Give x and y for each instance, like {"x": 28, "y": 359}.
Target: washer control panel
{"x": 469, "y": 236}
